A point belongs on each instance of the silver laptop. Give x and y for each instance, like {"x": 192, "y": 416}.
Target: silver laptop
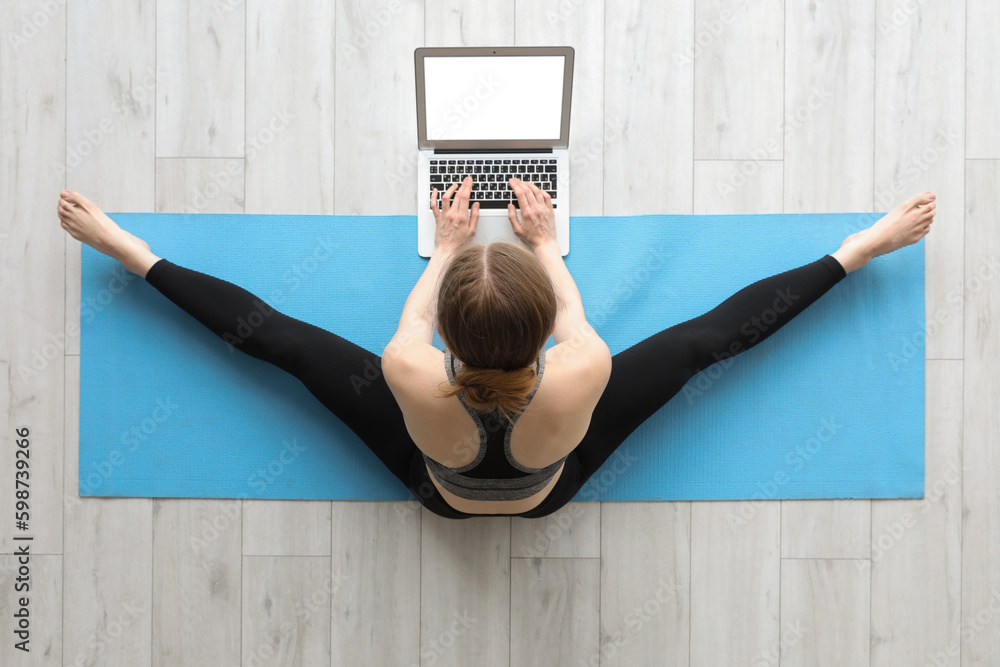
{"x": 493, "y": 113}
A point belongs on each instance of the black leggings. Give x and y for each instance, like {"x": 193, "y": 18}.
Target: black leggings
{"x": 643, "y": 377}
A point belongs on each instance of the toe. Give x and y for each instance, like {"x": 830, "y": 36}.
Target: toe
{"x": 920, "y": 199}
{"x": 76, "y": 198}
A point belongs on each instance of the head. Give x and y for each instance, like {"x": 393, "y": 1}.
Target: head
{"x": 496, "y": 308}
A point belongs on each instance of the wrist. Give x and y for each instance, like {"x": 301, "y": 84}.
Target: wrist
{"x": 547, "y": 248}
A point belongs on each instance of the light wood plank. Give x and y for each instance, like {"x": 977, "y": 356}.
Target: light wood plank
{"x": 735, "y": 582}
{"x": 197, "y": 582}
{"x": 825, "y": 528}
{"x": 981, "y": 434}
{"x": 982, "y": 139}
{"x": 199, "y": 185}
{"x": 737, "y": 186}
{"x": 111, "y": 90}
{"x": 919, "y": 125}
{"x": 286, "y": 610}
{"x": 554, "y": 610}
{"x": 286, "y": 528}
{"x": 580, "y": 25}
{"x": 824, "y": 615}
{"x": 32, "y": 333}
{"x": 737, "y": 53}
{"x": 290, "y": 107}
{"x": 574, "y": 531}
{"x": 200, "y": 99}
{"x": 375, "y": 109}
{"x": 645, "y": 601}
{"x": 464, "y": 591}
{"x": 921, "y": 541}
{"x": 458, "y": 23}
{"x": 829, "y": 95}
{"x": 376, "y": 616}
{"x": 648, "y": 143}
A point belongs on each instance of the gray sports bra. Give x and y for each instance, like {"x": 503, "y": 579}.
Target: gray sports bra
{"x": 494, "y": 475}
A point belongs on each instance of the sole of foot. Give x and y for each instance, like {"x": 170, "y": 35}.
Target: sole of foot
{"x": 88, "y": 224}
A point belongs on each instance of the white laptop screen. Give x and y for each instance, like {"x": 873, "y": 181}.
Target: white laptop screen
{"x": 493, "y": 98}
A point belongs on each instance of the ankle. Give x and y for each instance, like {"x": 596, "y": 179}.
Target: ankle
{"x": 852, "y": 257}
{"x": 139, "y": 262}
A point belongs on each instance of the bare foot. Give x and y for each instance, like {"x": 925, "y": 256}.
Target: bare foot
{"x": 89, "y": 224}
{"x": 904, "y": 225}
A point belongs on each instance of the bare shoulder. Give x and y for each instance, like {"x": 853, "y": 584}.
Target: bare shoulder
{"x": 413, "y": 371}
{"x": 577, "y": 371}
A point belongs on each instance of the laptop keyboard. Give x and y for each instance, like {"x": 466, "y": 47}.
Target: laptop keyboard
{"x": 490, "y": 178}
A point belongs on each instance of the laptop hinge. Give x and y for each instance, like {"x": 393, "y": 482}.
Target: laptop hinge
{"x": 445, "y": 151}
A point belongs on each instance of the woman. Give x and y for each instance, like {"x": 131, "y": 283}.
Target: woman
{"x": 495, "y": 425}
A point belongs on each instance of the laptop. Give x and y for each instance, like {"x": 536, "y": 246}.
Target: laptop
{"x": 492, "y": 113}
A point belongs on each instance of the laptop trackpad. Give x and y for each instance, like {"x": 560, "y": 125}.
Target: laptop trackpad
{"x": 494, "y": 228}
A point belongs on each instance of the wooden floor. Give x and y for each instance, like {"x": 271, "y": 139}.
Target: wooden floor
{"x": 308, "y": 108}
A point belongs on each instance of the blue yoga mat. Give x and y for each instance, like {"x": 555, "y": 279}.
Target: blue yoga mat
{"x": 830, "y": 407}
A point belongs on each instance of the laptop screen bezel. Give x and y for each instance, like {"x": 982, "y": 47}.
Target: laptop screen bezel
{"x": 487, "y": 52}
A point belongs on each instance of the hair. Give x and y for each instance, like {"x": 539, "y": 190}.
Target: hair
{"x": 496, "y": 308}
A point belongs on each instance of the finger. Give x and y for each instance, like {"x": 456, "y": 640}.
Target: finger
{"x": 464, "y": 193}
{"x": 434, "y": 202}
{"x": 446, "y": 199}
{"x": 520, "y": 192}
{"x": 537, "y": 193}
{"x": 515, "y": 224}
{"x": 474, "y": 219}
